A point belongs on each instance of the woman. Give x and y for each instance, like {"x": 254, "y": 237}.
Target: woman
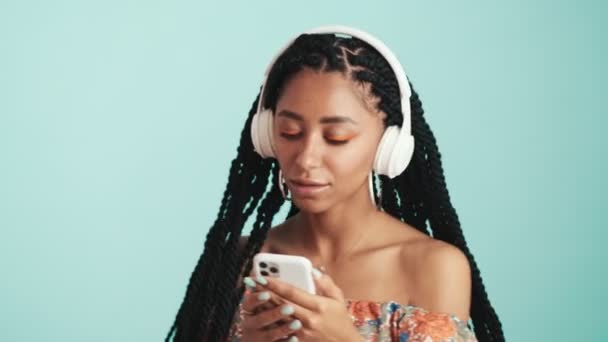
{"x": 332, "y": 120}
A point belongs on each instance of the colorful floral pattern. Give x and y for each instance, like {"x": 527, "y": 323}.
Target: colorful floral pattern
{"x": 392, "y": 322}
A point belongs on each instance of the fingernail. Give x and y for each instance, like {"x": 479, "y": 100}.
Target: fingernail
{"x": 264, "y": 296}
{"x": 316, "y": 273}
{"x": 287, "y": 310}
{"x": 261, "y": 280}
{"x": 295, "y": 325}
{"x": 293, "y": 339}
{"x": 249, "y": 282}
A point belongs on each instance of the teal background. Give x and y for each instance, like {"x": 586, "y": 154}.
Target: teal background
{"x": 118, "y": 121}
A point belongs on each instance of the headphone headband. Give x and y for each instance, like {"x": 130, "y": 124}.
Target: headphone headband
{"x": 391, "y": 58}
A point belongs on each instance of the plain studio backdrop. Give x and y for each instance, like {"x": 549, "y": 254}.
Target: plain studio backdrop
{"x": 119, "y": 119}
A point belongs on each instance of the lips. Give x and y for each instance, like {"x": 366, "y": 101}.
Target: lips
{"x": 306, "y": 188}
{"x": 304, "y": 182}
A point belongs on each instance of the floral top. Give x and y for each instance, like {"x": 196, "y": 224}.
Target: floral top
{"x": 393, "y": 322}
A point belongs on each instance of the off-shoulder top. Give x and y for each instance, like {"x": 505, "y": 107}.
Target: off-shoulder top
{"x": 393, "y": 322}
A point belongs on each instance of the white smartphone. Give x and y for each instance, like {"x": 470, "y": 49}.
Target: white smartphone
{"x": 292, "y": 269}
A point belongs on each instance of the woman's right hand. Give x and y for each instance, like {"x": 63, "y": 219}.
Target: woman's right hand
{"x": 265, "y": 317}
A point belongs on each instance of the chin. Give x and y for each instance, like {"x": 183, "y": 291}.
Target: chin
{"x": 310, "y": 205}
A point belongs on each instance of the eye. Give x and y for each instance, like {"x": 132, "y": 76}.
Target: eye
{"x": 340, "y": 139}
{"x": 290, "y": 135}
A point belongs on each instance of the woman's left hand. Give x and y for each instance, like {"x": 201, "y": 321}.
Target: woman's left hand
{"x": 323, "y": 317}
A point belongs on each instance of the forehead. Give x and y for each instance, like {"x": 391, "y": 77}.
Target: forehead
{"x": 314, "y": 95}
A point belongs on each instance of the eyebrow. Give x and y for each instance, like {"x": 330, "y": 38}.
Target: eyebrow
{"x": 328, "y": 119}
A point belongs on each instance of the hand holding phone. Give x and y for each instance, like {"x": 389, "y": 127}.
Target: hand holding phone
{"x": 292, "y": 269}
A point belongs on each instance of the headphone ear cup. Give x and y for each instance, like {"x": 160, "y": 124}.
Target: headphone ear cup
{"x": 269, "y": 142}
{"x": 384, "y": 150}
{"x": 394, "y": 152}
{"x": 255, "y": 132}
{"x": 401, "y": 155}
{"x": 261, "y": 133}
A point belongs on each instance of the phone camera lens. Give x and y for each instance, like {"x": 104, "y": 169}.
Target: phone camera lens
{"x": 274, "y": 270}
{"x": 263, "y": 265}
{"x": 264, "y": 273}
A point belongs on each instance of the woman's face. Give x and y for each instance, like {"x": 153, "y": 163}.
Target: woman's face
{"x": 325, "y": 134}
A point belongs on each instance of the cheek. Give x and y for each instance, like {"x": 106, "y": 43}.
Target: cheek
{"x": 352, "y": 161}
{"x": 284, "y": 153}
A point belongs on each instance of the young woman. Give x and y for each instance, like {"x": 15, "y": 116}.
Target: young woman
{"x": 342, "y": 133}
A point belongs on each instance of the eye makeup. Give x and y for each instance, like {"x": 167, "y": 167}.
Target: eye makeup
{"x": 341, "y": 137}
{"x": 290, "y": 131}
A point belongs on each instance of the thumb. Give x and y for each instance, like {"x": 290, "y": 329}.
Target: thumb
{"x": 326, "y": 287}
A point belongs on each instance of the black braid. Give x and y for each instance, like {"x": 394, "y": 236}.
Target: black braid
{"x": 249, "y": 184}
{"x": 418, "y": 196}
{"x": 247, "y": 180}
{"x": 446, "y": 227}
{"x": 227, "y": 300}
{"x": 432, "y": 201}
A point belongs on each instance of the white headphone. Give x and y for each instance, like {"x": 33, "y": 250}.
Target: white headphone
{"x": 397, "y": 144}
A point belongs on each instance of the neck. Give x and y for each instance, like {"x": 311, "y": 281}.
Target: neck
{"x": 339, "y": 231}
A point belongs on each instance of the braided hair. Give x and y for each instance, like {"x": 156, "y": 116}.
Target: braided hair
{"x": 418, "y": 196}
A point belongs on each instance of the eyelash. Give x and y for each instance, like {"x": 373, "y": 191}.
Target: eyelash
{"x": 295, "y": 136}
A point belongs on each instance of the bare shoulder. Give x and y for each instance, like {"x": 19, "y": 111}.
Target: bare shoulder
{"x": 441, "y": 276}
{"x": 437, "y": 255}
{"x": 243, "y": 243}
{"x": 274, "y": 238}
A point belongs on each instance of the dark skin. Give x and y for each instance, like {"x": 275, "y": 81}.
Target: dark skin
{"x": 327, "y": 131}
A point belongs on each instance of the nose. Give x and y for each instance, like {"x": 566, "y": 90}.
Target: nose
{"x": 309, "y": 153}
